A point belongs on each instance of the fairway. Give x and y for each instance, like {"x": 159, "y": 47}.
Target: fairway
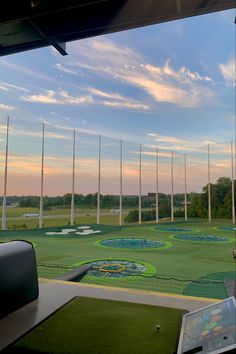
{"x": 58, "y": 216}
{"x": 185, "y": 267}
{"x": 94, "y": 326}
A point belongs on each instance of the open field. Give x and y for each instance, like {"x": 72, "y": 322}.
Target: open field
{"x": 58, "y": 216}
{"x": 184, "y": 267}
{"x": 61, "y": 217}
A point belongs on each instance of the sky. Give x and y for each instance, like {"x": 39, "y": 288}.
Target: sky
{"x": 170, "y": 85}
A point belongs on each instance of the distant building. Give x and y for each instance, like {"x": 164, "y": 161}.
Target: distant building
{"x": 30, "y": 215}
{"x": 151, "y": 195}
{"x": 115, "y": 211}
{"x": 13, "y": 205}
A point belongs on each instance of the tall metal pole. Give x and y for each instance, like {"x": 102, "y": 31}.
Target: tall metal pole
{"x": 140, "y": 186}
{"x": 42, "y": 183}
{"x": 157, "y": 187}
{"x": 72, "y": 216}
{"x": 209, "y": 185}
{"x": 185, "y": 188}
{"x": 121, "y": 181}
{"x": 4, "y": 200}
{"x": 172, "y": 185}
{"x": 232, "y": 177}
{"x": 99, "y": 179}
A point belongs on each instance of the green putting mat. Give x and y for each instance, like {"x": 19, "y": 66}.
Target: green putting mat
{"x": 94, "y": 326}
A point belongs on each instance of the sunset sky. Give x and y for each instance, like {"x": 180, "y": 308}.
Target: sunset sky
{"x": 170, "y": 85}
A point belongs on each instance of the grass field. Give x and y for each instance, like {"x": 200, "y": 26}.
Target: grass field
{"x": 191, "y": 268}
{"x": 92, "y": 326}
{"x": 58, "y": 216}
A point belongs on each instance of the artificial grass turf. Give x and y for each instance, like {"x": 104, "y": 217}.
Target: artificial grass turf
{"x": 219, "y": 292}
{"x": 184, "y": 261}
{"x": 95, "y": 326}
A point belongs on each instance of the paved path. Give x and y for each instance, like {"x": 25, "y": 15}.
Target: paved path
{"x": 189, "y": 303}
{"x": 55, "y": 293}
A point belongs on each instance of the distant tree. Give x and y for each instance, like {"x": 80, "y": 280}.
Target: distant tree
{"x": 30, "y": 201}
{"x": 221, "y": 200}
{"x": 132, "y": 216}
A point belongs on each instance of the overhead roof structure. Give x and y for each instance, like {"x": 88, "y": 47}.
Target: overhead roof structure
{"x": 30, "y": 24}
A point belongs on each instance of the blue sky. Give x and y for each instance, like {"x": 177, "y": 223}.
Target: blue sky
{"x": 167, "y": 83}
{"x": 170, "y": 85}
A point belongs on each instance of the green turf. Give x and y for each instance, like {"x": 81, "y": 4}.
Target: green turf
{"x": 93, "y": 326}
{"x": 186, "y": 261}
{"x": 218, "y": 279}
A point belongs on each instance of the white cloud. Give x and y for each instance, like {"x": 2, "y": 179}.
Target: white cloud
{"x": 228, "y": 71}
{"x": 26, "y": 71}
{"x": 114, "y": 99}
{"x": 181, "y": 144}
{"x": 152, "y": 153}
{"x": 164, "y": 83}
{"x": 49, "y": 97}
{"x": 95, "y": 96}
{"x": 61, "y": 97}
{"x": 105, "y": 94}
{"x": 5, "y": 86}
{"x": 183, "y": 72}
{"x": 63, "y": 68}
{"x": 6, "y": 107}
{"x": 51, "y": 131}
{"x": 183, "y": 75}
{"x": 127, "y": 104}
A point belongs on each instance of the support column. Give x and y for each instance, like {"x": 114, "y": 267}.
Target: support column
{"x": 72, "y": 215}
{"x": 4, "y": 199}
{"x": 121, "y": 181}
{"x": 185, "y": 189}
{"x": 172, "y": 186}
{"x": 140, "y": 186}
{"x": 232, "y": 178}
{"x": 99, "y": 179}
{"x": 157, "y": 186}
{"x": 209, "y": 185}
{"x": 42, "y": 184}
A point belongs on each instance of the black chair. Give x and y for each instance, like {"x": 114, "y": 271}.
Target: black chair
{"x": 18, "y": 276}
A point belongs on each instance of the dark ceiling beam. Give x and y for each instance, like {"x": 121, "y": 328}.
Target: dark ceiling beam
{"x": 59, "y": 46}
{"x": 30, "y": 24}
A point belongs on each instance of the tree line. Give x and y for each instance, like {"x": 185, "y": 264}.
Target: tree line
{"x": 90, "y": 201}
{"x": 221, "y": 202}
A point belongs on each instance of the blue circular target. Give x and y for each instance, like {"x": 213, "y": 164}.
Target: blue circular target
{"x": 172, "y": 229}
{"x": 227, "y": 228}
{"x": 133, "y": 243}
{"x": 201, "y": 238}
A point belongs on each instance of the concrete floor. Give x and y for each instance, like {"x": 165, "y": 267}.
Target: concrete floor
{"x": 55, "y": 293}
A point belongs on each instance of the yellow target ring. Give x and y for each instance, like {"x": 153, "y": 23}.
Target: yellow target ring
{"x": 109, "y": 268}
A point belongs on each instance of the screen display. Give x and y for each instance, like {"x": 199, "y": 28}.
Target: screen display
{"x": 210, "y": 330}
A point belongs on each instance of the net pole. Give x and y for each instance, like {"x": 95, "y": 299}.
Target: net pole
{"x": 99, "y": 180}
{"x": 42, "y": 180}
{"x": 140, "y": 186}
{"x": 172, "y": 185}
{"x": 157, "y": 186}
{"x": 209, "y": 185}
{"x": 4, "y": 199}
{"x": 232, "y": 181}
{"x": 72, "y": 214}
{"x": 121, "y": 180}
{"x": 185, "y": 188}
